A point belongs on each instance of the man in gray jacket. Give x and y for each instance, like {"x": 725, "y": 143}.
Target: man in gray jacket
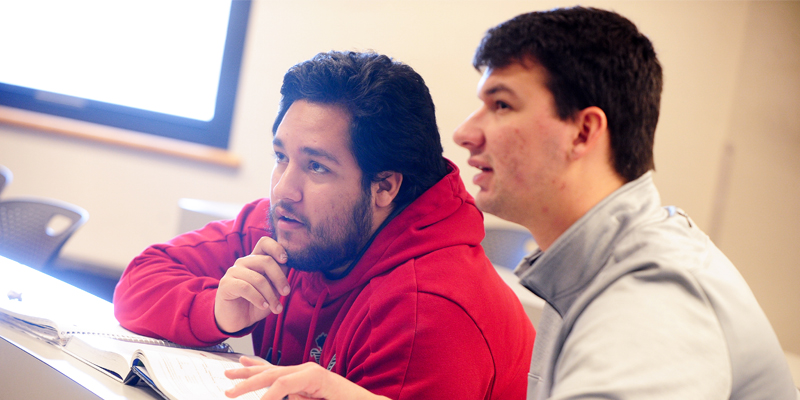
{"x": 640, "y": 303}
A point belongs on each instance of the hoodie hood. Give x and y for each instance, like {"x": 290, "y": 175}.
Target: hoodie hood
{"x": 433, "y": 221}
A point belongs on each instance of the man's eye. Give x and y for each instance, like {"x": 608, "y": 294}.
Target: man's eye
{"x": 317, "y": 167}
{"x": 501, "y": 105}
{"x": 280, "y": 157}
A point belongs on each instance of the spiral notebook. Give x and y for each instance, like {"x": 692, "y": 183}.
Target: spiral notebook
{"x": 34, "y": 307}
{"x": 84, "y": 326}
{"x": 58, "y": 334}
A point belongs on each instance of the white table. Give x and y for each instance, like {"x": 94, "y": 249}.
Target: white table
{"x": 31, "y": 368}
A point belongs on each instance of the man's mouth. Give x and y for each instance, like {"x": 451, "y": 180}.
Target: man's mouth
{"x": 479, "y": 165}
{"x": 482, "y": 177}
{"x": 287, "y": 220}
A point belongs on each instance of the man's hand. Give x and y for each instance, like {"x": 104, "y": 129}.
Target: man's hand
{"x": 252, "y": 287}
{"x": 298, "y": 382}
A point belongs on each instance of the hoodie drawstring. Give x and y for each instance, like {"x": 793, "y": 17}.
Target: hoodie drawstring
{"x": 276, "y": 340}
{"x": 312, "y": 329}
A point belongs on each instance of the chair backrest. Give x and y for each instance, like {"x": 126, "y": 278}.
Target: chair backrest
{"x": 506, "y": 247}
{"x": 33, "y": 230}
{"x": 5, "y": 177}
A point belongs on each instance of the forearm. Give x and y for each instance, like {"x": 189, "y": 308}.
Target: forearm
{"x": 159, "y": 297}
{"x": 168, "y": 291}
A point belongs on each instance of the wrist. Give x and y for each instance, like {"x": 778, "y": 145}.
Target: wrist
{"x": 202, "y": 318}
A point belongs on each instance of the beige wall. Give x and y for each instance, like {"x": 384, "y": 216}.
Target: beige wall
{"x": 757, "y": 222}
{"x": 731, "y": 78}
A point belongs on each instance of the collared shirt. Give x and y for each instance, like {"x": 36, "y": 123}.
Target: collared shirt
{"x": 641, "y": 304}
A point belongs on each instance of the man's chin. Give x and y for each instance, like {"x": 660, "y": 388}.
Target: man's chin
{"x": 301, "y": 261}
{"x": 291, "y": 248}
{"x": 483, "y": 201}
{"x": 291, "y": 240}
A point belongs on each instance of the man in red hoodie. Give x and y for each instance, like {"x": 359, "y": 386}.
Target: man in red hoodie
{"x": 365, "y": 260}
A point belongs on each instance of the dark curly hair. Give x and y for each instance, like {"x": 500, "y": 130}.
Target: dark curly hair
{"x": 593, "y": 58}
{"x": 393, "y": 122}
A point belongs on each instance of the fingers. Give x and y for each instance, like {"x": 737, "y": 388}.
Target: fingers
{"x": 250, "y": 362}
{"x": 250, "y": 367}
{"x": 246, "y": 372}
{"x": 265, "y": 271}
{"x": 306, "y": 381}
{"x": 259, "y": 377}
{"x": 247, "y": 280}
{"x": 269, "y": 247}
{"x": 252, "y": 287}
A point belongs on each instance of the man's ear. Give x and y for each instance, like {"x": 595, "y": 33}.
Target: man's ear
{"x": 385, "y": 189}
{"x": 592, "y": 129}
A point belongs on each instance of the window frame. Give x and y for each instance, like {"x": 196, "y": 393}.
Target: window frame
{"x": 214, "y": 133}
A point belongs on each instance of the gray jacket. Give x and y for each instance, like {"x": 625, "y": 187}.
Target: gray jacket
{"x": 641, "y": 305}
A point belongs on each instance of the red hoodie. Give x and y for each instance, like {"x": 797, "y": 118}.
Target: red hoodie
{"x": 422, "y": 315}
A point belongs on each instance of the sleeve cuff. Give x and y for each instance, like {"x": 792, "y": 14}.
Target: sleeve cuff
{"x": 203, "y": 323}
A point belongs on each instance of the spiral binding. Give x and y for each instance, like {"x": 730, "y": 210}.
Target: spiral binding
{"x": 219, "y": 348}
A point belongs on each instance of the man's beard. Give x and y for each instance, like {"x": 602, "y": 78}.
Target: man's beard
{"x": 332, "y": 245}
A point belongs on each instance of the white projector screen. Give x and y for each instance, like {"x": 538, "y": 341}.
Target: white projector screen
{"x": 173, "y": 62}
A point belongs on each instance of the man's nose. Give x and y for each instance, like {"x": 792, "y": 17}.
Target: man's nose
{"x": 287, "y": 184}
{"x": 470, "y": 133}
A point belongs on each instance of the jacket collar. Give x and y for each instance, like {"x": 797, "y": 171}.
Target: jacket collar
{"x": 560, "y": 274}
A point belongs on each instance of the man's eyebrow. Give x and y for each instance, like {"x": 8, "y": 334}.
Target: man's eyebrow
{"x": 315, "y": 152}
{"x": 311, "y": 151}
{"x": 499, "y": 88}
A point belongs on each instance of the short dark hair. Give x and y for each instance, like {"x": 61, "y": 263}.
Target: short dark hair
{"x": 593, "y": 58}
{"x": 393, "y": 122}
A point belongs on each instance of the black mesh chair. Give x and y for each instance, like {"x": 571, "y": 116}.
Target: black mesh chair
{"x": 506, "y": 247}
{"x": 5, "y": 177}
{"x": 33, "y": 230}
